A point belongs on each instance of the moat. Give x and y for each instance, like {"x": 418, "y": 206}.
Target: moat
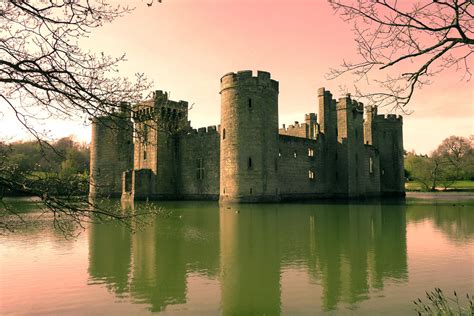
{"x": 202, "y": 258}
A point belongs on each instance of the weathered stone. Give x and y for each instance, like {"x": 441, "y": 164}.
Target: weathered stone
{"x": 247, "y": 158}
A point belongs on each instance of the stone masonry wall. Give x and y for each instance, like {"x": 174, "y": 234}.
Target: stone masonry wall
{"x": 327, "y": 116}
{"x": 249, "y": 142}
{"x": 389, "y": 136}
{"x": 157, "y": 123}
{"x": 300, "y": 166}
{"x": 198, "y": 164}
{"x": 247, "y": 158}
{"x": 111, "y": 154}
{"x": 297, "y": 130}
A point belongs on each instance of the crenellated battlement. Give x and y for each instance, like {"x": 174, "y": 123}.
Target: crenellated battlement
{"x": 347, "y": 103}
{"x": 308, "y": 129}
{"x": 213, "y": 129}
{"x": 389, "y": 118}
{"x": 335, "y": 152}
{"x": 161, "y": 107}
{"x": 246, "y": 78}
{"x": 161, "y": 98}
{"x": 291, "y": 127}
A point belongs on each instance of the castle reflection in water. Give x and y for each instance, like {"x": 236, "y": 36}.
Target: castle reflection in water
{"x": 347, "y": 250}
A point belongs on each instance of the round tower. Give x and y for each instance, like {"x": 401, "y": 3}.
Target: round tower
{"x": 249, "y": 137}
{"x": 111, "y": 153}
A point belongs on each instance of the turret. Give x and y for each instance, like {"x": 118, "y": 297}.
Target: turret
{"x": 388, "y": 137}
{"x": 311, "y": 121}
{"x": 249, "y": 137}
{"x": 328, "y": 127}
{"x": 111, "y": 152}
{"x": 350, "y": 151}
{"x": 370, "y": 115}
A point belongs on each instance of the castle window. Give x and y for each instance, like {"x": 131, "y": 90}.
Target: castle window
{"x": 223, "y": 133}
{"x": 250, "y": 163}
{"x": 279, "y": 153}
{"x": 356, "y": 133}
{"x": 145, "y": 133}
{"x": 250, "y": 103}
{"x": 250, "y": 190}
{"x": 371, "y": 165}
{"x": 294, "y": 154}
{"x": 336, "y": 131}
{"x": 311, "y": 174}
{"x": 336, "y": 156}
{"x": 383, "y": 171}
{"x": 310, "y": 152}
{"x": 144, "y": 155}
{"x": 200, "y": 169}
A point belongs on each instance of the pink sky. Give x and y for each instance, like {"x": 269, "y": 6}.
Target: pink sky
{"x": 185, "y": 46}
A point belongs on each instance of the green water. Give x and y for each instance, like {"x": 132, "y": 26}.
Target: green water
{"x": 292, "y": 259}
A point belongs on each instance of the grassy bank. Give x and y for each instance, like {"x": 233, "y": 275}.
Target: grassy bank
{"x": 463, "y": 185}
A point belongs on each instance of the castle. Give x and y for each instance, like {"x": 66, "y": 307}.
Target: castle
{"x": 150, "y": 151}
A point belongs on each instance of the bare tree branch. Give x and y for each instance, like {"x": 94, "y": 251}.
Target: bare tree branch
{"x": 45, "y": 74}
{"x": 426, "y": 36}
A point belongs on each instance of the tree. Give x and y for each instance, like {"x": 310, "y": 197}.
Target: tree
{"x": 44, "y": 73}
{"x": 452, "y": 160}
{"x": 456, "y": 155}
{"x": 422, "y": 169}
{"x": 406, "y": 42}
{"x": 456, "y": 152}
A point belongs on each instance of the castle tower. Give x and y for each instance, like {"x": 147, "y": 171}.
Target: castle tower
{"x": 350, "y": 150}
{"x": 249, "y": 137}
{"x": 371, "y": 114}
{"x": 311, "y": 121}
{"x": 157, "y": 122}
{"x": 388, "y": 138}
{"x": 328, "y": 127}
{"x": 111, "y": 152}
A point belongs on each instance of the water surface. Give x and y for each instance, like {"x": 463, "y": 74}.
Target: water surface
{"x": 202, "y": 258}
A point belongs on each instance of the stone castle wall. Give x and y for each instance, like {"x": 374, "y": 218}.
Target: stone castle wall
{"x": 335, "y": 153}
{"x": 198, "y": 164}
{"x": 308, "y": 129}
{"x": 300, "y": 166}
{"x": 111, "y": 153}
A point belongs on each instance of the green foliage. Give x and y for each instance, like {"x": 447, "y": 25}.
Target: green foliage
{"x": 453, "y": 160}
{"x": 77, "y": 161}
{"x": 59, "y": 169}
{"x": 439, "y": 304}
{"x": 65, "y": 156}
{"x": 420, "y": 168}
{"x": 456, "y": 154}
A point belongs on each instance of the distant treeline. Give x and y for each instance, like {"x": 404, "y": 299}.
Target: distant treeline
{"x": 65, "y": 156}
{"x": 58, "y": 168}
{"x": 452, "y": 161}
